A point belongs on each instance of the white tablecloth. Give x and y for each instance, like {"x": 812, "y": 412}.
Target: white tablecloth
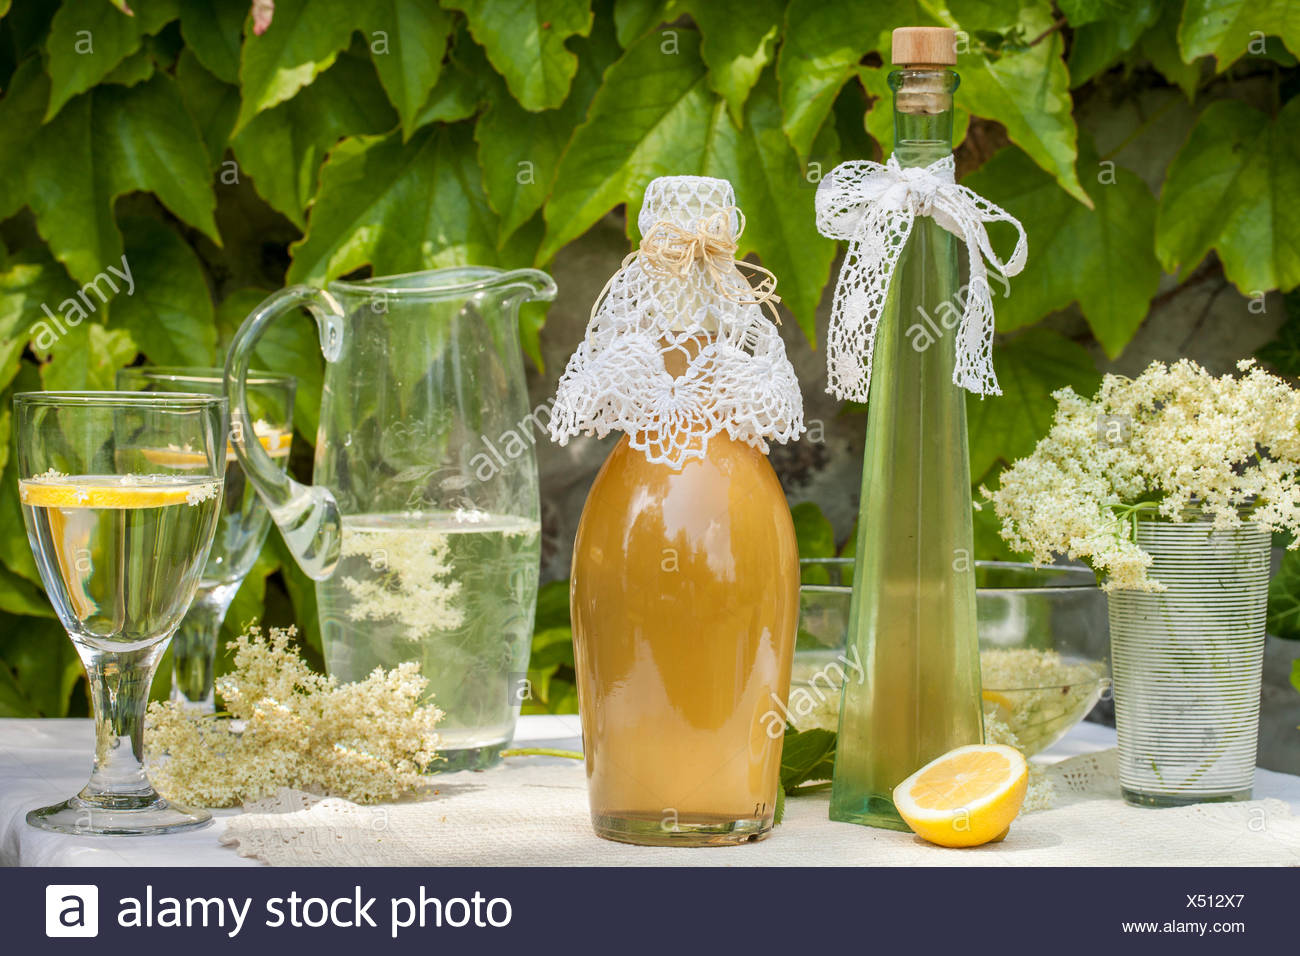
{"x": 43, "y": 761}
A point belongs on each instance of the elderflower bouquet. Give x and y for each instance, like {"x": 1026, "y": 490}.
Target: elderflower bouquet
{"x": 366, "y": 741}
{"x": 1174, "y": 443}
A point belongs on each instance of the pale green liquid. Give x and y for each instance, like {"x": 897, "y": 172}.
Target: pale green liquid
{"x": 122, "y": 577}
{"x": 455, "y": 596}
{"x": 243, "y": 522}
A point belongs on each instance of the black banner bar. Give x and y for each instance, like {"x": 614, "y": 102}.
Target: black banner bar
{"x": 665, "y": 910}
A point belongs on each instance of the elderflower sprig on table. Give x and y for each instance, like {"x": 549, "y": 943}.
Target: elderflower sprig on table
{"x": 366, "y": 741}
{"x": 1185, "y": 440}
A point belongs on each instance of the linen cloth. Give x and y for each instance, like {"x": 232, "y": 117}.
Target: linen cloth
{"x": 537, "y": 815}
{"x": 43, "y": 761}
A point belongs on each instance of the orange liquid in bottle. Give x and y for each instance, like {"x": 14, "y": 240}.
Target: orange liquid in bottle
{"x": 685, "y": 598}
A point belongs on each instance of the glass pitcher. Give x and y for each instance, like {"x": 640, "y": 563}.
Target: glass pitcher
{"x": 422, "y": 527}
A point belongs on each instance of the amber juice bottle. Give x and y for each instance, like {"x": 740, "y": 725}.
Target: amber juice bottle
{"x": 684, "y": 597}
{"x": 685, "y": 594}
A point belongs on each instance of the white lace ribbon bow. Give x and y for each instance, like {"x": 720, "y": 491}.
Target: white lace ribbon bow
{"x": 874, "y": 207}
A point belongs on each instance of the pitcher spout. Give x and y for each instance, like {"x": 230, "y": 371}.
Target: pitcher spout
{"x": 533, "y": 285}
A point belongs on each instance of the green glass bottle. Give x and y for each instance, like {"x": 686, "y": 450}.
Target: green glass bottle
{"x": 912, "y": 618}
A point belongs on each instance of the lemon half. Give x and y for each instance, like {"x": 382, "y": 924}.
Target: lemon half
{"x": 967, "y": 797}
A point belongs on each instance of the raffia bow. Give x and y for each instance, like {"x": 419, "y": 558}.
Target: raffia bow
{"x": 874, "y": 206}
{"x": 671, "y": 250}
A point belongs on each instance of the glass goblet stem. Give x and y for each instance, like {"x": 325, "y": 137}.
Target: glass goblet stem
{"x": 194, "y": 648}
{"x": 119, "y": 693}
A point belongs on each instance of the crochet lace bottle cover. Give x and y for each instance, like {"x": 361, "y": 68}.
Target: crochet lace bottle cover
{"x": 678, "y": 348}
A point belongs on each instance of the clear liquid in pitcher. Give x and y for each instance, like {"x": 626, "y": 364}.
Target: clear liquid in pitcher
{"x": 452, "y": 591}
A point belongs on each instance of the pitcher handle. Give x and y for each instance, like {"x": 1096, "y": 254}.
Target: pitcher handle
{"x": 307, "y": 515}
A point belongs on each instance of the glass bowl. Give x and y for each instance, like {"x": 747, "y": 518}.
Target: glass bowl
{"x": 1044, "y": 647}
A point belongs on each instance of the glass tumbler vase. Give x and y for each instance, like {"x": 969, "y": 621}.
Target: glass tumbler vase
{"x": 1187, "y": 664}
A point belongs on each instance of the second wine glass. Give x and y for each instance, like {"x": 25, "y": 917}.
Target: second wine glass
{"x": 242, "y": 524}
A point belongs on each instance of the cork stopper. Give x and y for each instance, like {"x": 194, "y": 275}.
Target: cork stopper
{"x": 924, "y": 46}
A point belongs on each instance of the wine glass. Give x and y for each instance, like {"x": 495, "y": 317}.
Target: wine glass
{"x": 120, "y": 534}
{"x": 242, "y": 523}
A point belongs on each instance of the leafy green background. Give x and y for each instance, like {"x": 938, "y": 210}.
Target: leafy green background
{"x": 395, "y": 135}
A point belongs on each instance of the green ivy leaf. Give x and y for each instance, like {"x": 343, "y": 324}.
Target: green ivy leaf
{"x": 525, "y": 40}
{"x": 43, "y": 662}
{"x": 985, "y": 16}
{"x": 31, "y": 283}
{"x": 1030, "y": 367}
{"x": 21, "y": 110}
{"x": 1027, "y": 91}
{"x": 6, "y": 443}
{"x": 813, "y": 531}
{"x": 849, "y": 120}
{"x": 169, "y": 314}
{"x": 302, "y": 41}
{"x": 213, "y": 31}
{"x": 552, "y": 647}
{"x": 519, "y": 151}
{"x": 289, "y": 346}
{"x": 1283, "y": 353}
{"x": 552, "y": 606}
{"x": 282, "y": 148}
{"x": 302, "y": 595}
{"x": 211, "y": 103}
{"x": 400, "y": 208}
{"x": 87, "y": 358}
{"x": 1113, "y": 271}
{"x": 15, "y": 551}
{"x": 105, "y": 143}
{"x": 1284, "y": 598}
{"x": 806, "y": 756}
{"x": 462, "y": 88}
{"x": 739, "y": 39}
{"x": 13, "y": 702}
{"x": 987, "y": 529}
{"x": 406, "y": 39}
{"x": 617, "y": 151}
{"x": 28, "y": 26}
{"x": 1083, "y": 12}
{"x": 822, "y": 46}
{"x": 248, "y": 605}
{"x": 1160, "y": 45}
{"x": 1234, "y": 187}
{"x": 87, "y": 40}
{"x": 136, "y": 68}
{"x": 634, "y": 18}
{"x": 1098, "y": 43}
{"x": 11, "y": 353}
{"x": 1225, "y": 29}
{"x": 777, "y": 198}
{"x": 20, "y": 596}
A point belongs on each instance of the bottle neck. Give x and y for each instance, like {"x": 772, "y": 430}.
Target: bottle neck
{"x": 922, "y": 113}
